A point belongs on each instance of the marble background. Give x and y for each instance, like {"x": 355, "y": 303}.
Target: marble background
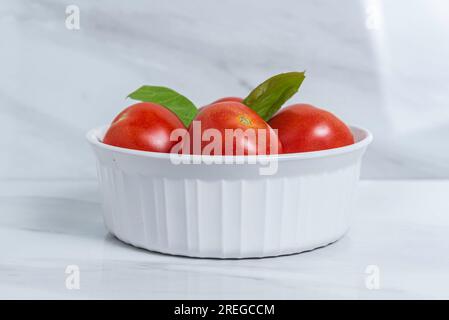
{"x": 46, "y": 226}
{"x": 381, "y": 65}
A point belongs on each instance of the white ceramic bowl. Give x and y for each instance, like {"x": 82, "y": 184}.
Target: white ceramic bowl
{"x": 228, "y": 210}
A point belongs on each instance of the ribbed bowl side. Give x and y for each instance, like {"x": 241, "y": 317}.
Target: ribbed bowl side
{"x": 232, "y": 218}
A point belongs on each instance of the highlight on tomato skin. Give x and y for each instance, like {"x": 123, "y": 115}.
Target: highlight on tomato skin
{"x": 143, "y": 126}
{"x": 236, "y": 116}
{"x": 225, "y": 99}
{"x": 228, "y": 99}
{"x": 304, "y": 128}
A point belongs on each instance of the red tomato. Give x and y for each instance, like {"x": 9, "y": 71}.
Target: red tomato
{"x": 302, "y": 127}
{"x": 227, "y": 99}
{"x": 143, "y": 126}
{"x": 233, "y": 115}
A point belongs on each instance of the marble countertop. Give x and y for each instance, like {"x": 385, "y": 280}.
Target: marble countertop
{"x": 51, "y": 231}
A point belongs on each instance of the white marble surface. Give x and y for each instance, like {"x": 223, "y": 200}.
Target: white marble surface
{"x": 375, "y": 63}
{"x": 402, "y": 227}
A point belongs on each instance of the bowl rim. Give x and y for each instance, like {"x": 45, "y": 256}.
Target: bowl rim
{"x": 93, "y": 136}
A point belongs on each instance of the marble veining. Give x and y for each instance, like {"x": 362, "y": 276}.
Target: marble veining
{"x": 366, "y": 61}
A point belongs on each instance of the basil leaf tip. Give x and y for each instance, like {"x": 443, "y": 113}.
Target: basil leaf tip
{"x": 268, "y": 97}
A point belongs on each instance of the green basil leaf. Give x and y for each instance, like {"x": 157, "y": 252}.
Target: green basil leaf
{"x": 268, "y": 97}
{"x": 177, "y": 103}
